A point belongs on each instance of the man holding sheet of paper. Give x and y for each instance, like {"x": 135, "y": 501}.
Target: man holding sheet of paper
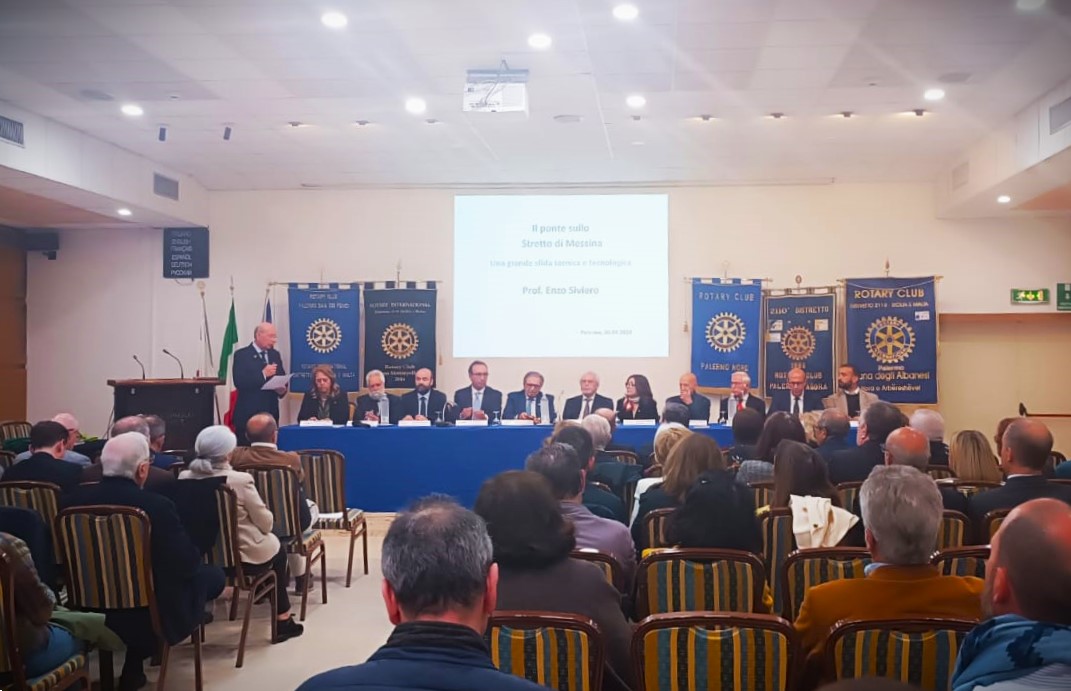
{"x": 255, "y": 367}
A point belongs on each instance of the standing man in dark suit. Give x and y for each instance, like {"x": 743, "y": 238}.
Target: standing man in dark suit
{"x": 253, "y": 365}
{"x": 48, "y": 441}
{"x": 1023, "y": 454}
{"x": 377, "y": 405}
{"x": 739, "y": 398}
{"x": 796, "y": 399}
{"x": 531, "y": 403}
{"x": 479, "y": 401}
{"x": 424, "y": 402}
{"x": 589, "y": 400}
{"x": 831, "y": 432}
{"x": 854, "y": 465}
{"x": 697, "y": 404}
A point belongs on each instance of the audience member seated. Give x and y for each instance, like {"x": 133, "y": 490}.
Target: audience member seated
{"x": 532, "y": 542}
{"x": 183, "y": 584}
{"x": 1026, "y": 642}
{"x": 747, "y": 427}
{"x": 902, "y": 512}
{"x": 603, "y": 503}
{"x": 1002, "y": 427}
{"x": 778, "y": 427}
{"x": 260, "y": 548}
{"x": 600, "y": 431}
{"x": 563, "y": 470}
{"x": 854, "y": 465}
{"x": 1024, "y": 453}
{"x": 30, "y": 527}
{"x": 48, "y": 440}
{"x": 692, "y": 456}
{"x": 932, "y": 425}
{"x": 440, "y": 587}
{"x": 697, "y": 404}
{"x": 801, "y": 483}
{"x": 610, "y": 416}
{"x": 638, "y": 403}
{"x": 676, "y": 412}
{"x": 325, "y": 400}
{"x": 666, "y": 437}
{"x": 159, "y": 480}
{"x": 971, "y": 459}
{"x": 831, "y": 433}
{"x": 157, "y": 436}
{"x": 717, "y": 513}
{"x": 74, "y": 437}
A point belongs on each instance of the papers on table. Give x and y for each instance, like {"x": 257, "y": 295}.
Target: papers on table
{"x": 517, "y": 423}
{"x": 414, "y": 423}
{"x": 279, "y": 381}
{"x": 316, "y": 423}
{"x": 472, "y": 423}
{"x": 639, "y": 423}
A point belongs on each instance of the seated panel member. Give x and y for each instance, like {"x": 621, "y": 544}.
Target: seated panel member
{"x": 479, "y": 401}
{"x": 698, "y": 404}
{"x": 796, "y": 399}
{"x": 739, "y": 398}
{"x": 589, "y": 400}
{"x": 638, "y": 403}
{"x": 531, "y": 403}
{"x": 850, "y": 398}
{"x": 425, "y": 402}
{"x": 378, "y": 405}
{"x": 325, "y": 400}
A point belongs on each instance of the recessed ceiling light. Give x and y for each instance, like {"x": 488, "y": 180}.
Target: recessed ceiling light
{"x": 334, "y": 20}
{"x": 296, "y": 123}
{"x": 361, "y": 123}
{"x": 1003, "y": 199}
{"x": 626, "y": 12}
{"x": 132, "y": 109}
{"x": 846, "y": 114}
{"x": 933, "y": 94}
{"x": 636, "y": 101}
{"x": 431, "y": 121}
{"x": 539, "y": 41}
{"x": 416, "y": 106}
{"x": 705, "y": 117}
{"x": 919, "y": 112}
{"x": 1030, "y": 5}
{"x": 124, "y": 211}
{"x": 776, "y": 116}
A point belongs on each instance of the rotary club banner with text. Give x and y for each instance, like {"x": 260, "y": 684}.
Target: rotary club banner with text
{"x": 399, "y": 331}
{"x": 726, "y": 330}
{"x": 324, "y": 330}
{"x": 891, "y": 326}
{"x": 800, "y": 331}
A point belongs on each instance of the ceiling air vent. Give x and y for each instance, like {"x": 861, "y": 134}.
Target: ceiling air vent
{"x": 11, "y": 131}
{"x": 163, "y": 186}
{"x": 961, "y": 174}
{"x": 1060, "y": 116}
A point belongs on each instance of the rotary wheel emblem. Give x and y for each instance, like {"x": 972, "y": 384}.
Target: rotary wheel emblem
{"x": 725, "y": 332}
{"x": 890, "y": 340}
{"x": 323, "y": 336}
{"x": 798, "y": 343}
{"x": 400, "y": 341}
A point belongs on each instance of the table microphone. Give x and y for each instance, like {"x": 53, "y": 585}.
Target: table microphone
{"x": 182, "y": 372}
{"x": 141, "y": 364}
{"x": 442, "y": 422}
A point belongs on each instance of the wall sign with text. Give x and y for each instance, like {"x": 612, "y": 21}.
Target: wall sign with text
{"x": 185, "y": 252}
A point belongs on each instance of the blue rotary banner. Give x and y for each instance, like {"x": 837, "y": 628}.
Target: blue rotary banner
{"x": 891, "y": 326}
{"x": 800, "y": 332}
{"x": 726, "y": 329}
{"x": 399, "y": 328}
{"x": 325, "y": 323}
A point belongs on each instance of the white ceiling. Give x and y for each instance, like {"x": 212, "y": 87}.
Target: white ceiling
{"x": 195, "y": 65}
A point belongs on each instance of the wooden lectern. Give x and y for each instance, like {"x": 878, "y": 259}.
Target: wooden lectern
{"x": 186, "y": 405}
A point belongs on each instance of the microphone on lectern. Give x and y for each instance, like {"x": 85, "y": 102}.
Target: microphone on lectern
{"x": 182, "y": 372}
{"x": 141, "y": 364}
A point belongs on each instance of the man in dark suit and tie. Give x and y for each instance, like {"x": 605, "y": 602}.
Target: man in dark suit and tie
{"x": 854, "y": 465}
{"x": 589, "y": 400}
{"x": 479, "y": 401}
{"x": 424, "y": 402}
{"x": 531, "y": 403}
{"x": 48, "y": 441}
{"x": 253, "y": 366}
{"x": 377, "y": 405}
{"x": 697, "y": 404}
{"x": 796, "y": 399}
{"x": 739, "y": 398}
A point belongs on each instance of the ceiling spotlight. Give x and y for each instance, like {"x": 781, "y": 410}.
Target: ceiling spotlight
{"x": 431, "y": 121}
{"x": 1030, "y": 5}
{"x": 933, "y": 94}
{"x": 124, "y": 212}
{"x": 132, "y": 109}
{"x": 1003, "y": 199}
{"x": 539, "y": 41}
{"x": 919, "y": 112}
{"x": 846, "y": 114}
{"x": 416, "y": 106}
{"x": 626, "y": 12}
{"x": 636, "y": 118}
{"x": 706, "y": 117}
{"x": 296, "y": 123}
{"x": 226, "y": 133}
{"x": 334, "y": 20}
{"x": 777, "y": 116}
{"x": 361, "y": 123}
{"x": 161, "y": 134}
{"x": 636, "y": 101}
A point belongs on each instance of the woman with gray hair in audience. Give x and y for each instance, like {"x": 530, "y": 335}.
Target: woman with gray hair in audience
{"x": 260, "y": 549}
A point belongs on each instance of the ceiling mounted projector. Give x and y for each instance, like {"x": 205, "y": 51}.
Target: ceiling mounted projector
{"x": 496, "y": 91}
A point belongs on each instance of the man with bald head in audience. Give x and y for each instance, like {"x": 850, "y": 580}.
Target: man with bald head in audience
{"x": 253, "y": 366}
{"x": 157, "y": 479}
{"x": 1025, "y": 644}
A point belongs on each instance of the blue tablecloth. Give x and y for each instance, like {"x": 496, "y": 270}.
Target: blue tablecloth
{"x": 388, "y": 467}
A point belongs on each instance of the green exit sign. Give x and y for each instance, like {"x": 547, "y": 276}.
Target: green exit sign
{"x": 1063, "y": 297}
{"x": 1030, "y": 296}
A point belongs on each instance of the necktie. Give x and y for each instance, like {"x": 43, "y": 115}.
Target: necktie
{"x": 587, "y": 407}
{"x": 795, "y": 406}
{"x": 537, "y": 409}
{"x": 264, "y": 357}
{"x": 423, "y": 406}
{"x": 739, "y": 404}
{"x": 477, "y": 401}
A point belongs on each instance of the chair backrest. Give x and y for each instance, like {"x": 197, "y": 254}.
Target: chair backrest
{"x": 689, "y": 580}
{"x": 40, "y": 497}
{"x": 278, "y": 487}
{"x": 708, "y": 650}
{"x": 624, "y": 457}
{"x": 600, "y": 485}
{"x": 940, "y": 472}
{"x": 226, "y": 552}
{"x": 778, "y": 542}
{"x": 992, "y": 521}
{"x": 14, "y": 429}
{"x": 1056, "y": 458}
{"x": 10, "y": 655}
{"x": 7, "y": 459}
{"x": 807, "y": 568}
{"x": 325, "y": 479}
{"x": 849, "y": 492}
{"x": 654, "y": 527}
{"x": 606, "y": 563}
{"x": 920, "y": 652}
{"x": 561, "y": 651}
{"x": 968, "y": 488}
{"x": 762, "y": 492}
{"x": 962, "y": 561}
{"x": 954, "y": 530}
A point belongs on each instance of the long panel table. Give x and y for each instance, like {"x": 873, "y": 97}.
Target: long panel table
{"x": 389, "y": 467}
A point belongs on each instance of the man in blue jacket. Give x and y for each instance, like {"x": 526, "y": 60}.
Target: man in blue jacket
{"x": 440, "y": 586}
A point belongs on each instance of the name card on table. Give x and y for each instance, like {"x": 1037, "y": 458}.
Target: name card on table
{"x": 316, "y": 423}
{"x": 370, "y": 423}
{"x": 517, "y": 423}
{"x": 471, "y": 423}
{"x": 699, "y": 423}
{"x": 639, "y": 423}
{"x": 414, "y": 423}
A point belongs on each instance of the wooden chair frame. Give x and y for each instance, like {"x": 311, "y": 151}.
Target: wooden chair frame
{"x": 954, "y": 516}
{"x": 359, "y": 527}
{"x": 947, "y": 555}
{"x": 7, "y": 459}
{"x": 603, "y": 561}
{"x": 33, "y": 487}
{"x": 940, "y": 472}
{"x": 852, "y": 493}
{"x": 654, "y": 526}
{"x": 992, "y": 520}
{"x": 762, "y": 489}
{"x": 706, "y": 556}
{"x": 960, "y": 485}
{"x": 627, "y": 457}
{"x": 11, "y": 429}
{"x": 790, "y": 609}
{"x": 533, "y": 619}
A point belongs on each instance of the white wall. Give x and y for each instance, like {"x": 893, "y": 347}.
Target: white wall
{"x": 103, "y": 298}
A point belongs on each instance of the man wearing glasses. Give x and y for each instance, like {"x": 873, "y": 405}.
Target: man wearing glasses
{"x": 479, "y": 401}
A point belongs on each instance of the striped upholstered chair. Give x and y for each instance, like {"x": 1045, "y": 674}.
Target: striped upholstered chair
{"x": 955, "y": 530}
{"x": 561, "y": 651}
{"x": 707, "y": 650}
{"x": 940, "y": 472}
{"x": 40, "y": 497}
{"x": 278, "y": 487}
{"x": 107, "y": 555}
{"x": 992, "y": 520}
{"x": 920, "y": 652}
{"x": 777, "y": 543}
{"x": 227, "y": 555}
{"x": 762, "y": 493}
{"x": 654, "y": 527}
{"x": 807, "y": 568}
{"x": 14, "y": 429}
{"x": 72, "y": 671}
{"x": 325, "y": 483}
{"x": 703, "y": 580}
{"x": 968, "y": 488}
{"x": 606, "y": 563}
{"x": 849, "y": 492}
{"x": 962, "y": 561}
{"x": 7, "y": 459}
